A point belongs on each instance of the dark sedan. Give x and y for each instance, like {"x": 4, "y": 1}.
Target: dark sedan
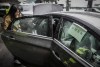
{"x": 63, "y": 39}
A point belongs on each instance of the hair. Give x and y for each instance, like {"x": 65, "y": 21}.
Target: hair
{"x": 12, "y": 11}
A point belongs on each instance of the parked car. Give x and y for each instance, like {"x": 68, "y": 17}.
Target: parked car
{"x": 4, "y": 8}
{"x": 97, "y": 10}
{"x": 64, "y": 39}
{"x": 42, "y": 8}
{"x": 39, "y": 9}
{"x": 26, "y": 9}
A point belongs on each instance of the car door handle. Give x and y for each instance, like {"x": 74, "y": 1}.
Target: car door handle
{"x": 10, "y": 37}
{"x": 56, "y": 55}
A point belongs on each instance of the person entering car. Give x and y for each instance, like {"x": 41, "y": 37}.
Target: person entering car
{"x": 13, "y": 13}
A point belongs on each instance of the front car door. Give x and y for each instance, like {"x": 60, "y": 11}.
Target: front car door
{"x": 29, "y": 39}
{"x": 75, "y": 45}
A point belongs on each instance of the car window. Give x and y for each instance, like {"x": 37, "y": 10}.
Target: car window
{"x": 26, "y": 7}
{"x": 80, "y": 41}
{"x": 64, "y": 35}
{"x": 35, "y": 26}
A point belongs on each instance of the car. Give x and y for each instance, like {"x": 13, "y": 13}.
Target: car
{"x": 97, "y": 10}
{"x": 42, "y": 8}
{"x": 39, "y": 8}
{"x": 63, "y": 39}
{"x": 26, "y": 8}
{"x": 4, "y": 8}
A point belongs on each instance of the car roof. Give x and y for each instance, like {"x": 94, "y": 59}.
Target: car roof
{"x": 4, "y": 4}
{"x": 90, "y": 19}
{"x": 25, "y": 4}
{"x": 42, "y": 8}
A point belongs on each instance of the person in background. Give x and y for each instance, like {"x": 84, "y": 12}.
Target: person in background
{"x": 13, "y": 13}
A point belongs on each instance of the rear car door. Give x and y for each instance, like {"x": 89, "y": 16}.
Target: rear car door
{"x": 75, "y": 45}
{"x": 29, "y": 39}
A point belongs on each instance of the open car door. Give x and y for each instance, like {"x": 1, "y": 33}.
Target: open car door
{"x": 29, "y": 39}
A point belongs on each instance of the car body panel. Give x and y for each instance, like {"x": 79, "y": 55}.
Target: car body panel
{"x": 32, "y": 49}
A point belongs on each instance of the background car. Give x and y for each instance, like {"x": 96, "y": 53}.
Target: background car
{"x": 4, "y": 8}
{"x": 38, "y": 9}
{"x": 42, "y": 8}
{"x": 26, "y": 8}
{"x": 64, "y": 39}
{"x": 97, "y": 10}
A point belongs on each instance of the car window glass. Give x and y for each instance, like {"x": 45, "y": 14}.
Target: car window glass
{"x": 35, "y": 26}
{"x": 65, "y": 37}
{"x": 86, "y": 46}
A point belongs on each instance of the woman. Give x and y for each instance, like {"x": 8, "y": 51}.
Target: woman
{"x": 13, "y": 13}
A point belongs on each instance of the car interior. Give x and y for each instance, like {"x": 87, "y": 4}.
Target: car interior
{"x": 31, "y": 26}
{"x": 87, "y": 48}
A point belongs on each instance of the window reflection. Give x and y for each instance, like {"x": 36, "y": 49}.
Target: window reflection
{"x": 35, "y": 26}
{"x": 88, "y": 47}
